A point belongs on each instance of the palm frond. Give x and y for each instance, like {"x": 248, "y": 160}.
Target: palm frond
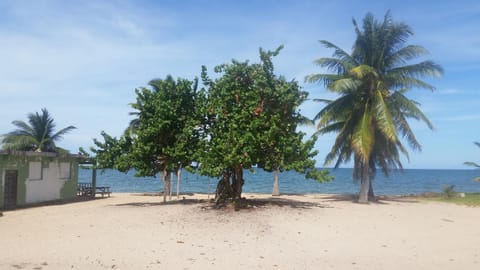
{"x": 334, "y": 127}
{"x": 423, "y": 69}
{"x": 362, "y": 137}
{"x": 345, "y": 85}
{"x": 409, "y": 108}
{"x": 327, "y": 101}
{"x": 339, "y": 53}
{"x": 361, "y": 71}
{"x": 59, "y": 134}
{"x": 325, "y": 78}
{"x": 405, "y": 54}
{"x": 473, "y": 164}
{"x": 383, "y": 118}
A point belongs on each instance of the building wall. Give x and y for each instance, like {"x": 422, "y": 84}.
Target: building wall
{"x": 51, "y": 185}
{"x": 40, "y": 178}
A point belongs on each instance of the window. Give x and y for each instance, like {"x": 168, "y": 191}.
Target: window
{"x": 64, "y": 170}
{"x": 35, "y": 171}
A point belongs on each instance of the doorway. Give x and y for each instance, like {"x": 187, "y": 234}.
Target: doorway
{"x": 10, "y": 190}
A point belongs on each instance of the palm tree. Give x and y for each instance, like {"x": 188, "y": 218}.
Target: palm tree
{"x": 37, "y": 135}
{"x": 372, "y": 109}
{"x": 473, "y": 164}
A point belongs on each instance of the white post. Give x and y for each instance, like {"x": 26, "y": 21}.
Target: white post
{"x": 276, "y": 189}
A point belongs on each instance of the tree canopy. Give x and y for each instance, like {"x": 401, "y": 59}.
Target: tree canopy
{"x": 253, "y": 117}
{"x": 164, "y": 135}
{"x": 370, "y": 116}
{"x": 37, "y": 135}
{"x": 245, "y": 118}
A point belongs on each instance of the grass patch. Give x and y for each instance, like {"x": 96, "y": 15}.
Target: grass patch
{"x": 470, "y": 199}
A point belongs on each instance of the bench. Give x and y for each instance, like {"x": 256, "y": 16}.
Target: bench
{"x": 84, "y": 190}
{"x": 103, "y": 190}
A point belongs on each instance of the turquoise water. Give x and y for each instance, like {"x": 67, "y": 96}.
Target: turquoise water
{"x": 398, "y": 183}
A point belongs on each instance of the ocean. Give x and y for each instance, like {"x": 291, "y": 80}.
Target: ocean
{"x": 409, "y": 181}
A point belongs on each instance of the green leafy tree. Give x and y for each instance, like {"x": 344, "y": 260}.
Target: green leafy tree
{"x": 283, "y": 146}
{"x": 252, "y": 117}
{"x": 370, "y": 114}
{"x": 111, "y": 153}
{"x": 473, "y": 164}
{"x": 37, "y": 135}
{"x": 164, "y": 136}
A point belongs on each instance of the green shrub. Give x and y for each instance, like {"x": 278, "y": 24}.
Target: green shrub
{"x": 449, "y": 191}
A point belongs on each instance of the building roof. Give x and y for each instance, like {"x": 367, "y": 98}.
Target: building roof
{"x": 39, "y": 154}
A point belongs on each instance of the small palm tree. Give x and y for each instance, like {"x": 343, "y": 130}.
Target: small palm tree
{"x": 37, "y": 135}
{"x": 473, "y": 164}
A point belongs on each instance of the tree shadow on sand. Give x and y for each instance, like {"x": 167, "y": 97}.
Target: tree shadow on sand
{"x": 284, "y": 202}
{"x": 381, "y": 199}
{"x": 172, "y": 202}
{"x": 251, "y": 203}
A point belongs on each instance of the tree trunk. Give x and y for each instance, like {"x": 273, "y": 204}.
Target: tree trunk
{"x": 169, "y": 184}
{"x": 239, "y": 188}
{"x": 94, "y": 181}
{"x": 179, "y": 174}
{"x": 166, "y": 178}
{"x": 237, "y": 183}
{"x": 164, "y": 175}
{"x": 363, "y": 196}
{"x": 276, "y": 189}
{"x": 371, "y": 194}
{"x": 230, "y": 190}
{"x": 224, "y": 189}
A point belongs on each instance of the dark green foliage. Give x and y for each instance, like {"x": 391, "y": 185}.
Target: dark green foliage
{"x": 252, "y": 121}
{"x": 112, "y": 153}
{"x": 37, "y": 135}
{"x": 247, "y": 117}
{"x": 167, "y": 130}
{"x": 164, "y": 135}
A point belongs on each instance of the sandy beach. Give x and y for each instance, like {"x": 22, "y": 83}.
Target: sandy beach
{"x": 132, "y": 231}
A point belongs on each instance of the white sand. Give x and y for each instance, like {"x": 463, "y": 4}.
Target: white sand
{"x": 129, "y": 231}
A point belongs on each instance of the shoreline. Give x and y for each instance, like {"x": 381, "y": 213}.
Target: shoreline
{"x": 209, "y": 196}
{"x": 409, "y": 183}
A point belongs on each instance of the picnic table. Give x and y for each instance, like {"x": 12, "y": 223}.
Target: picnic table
{"x": 86, "y": 190}
{"x": 103, "y": 190}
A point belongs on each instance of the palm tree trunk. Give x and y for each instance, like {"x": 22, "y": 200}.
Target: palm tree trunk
{"x": 276, "y": 189}
{"x": 363, "y": 196}
{"x": 371, "y": 194}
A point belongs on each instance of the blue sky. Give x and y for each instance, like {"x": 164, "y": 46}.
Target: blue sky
{"x": 82, "y": 60}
